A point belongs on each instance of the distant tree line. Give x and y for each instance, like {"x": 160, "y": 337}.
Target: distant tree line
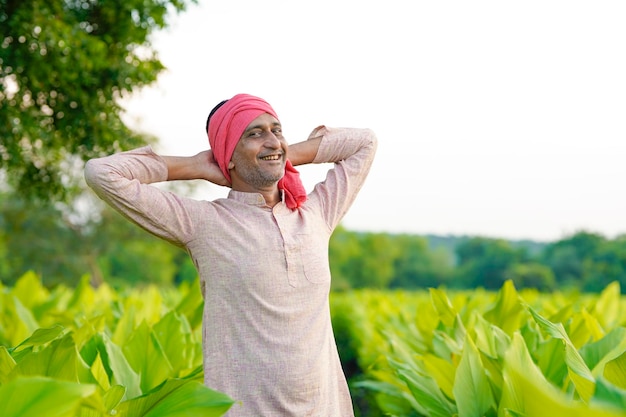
{"x": 585, "y": 260}
{"x": 62, "y": 247}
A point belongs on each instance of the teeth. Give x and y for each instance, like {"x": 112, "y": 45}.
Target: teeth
{"x": 271, "y": 158}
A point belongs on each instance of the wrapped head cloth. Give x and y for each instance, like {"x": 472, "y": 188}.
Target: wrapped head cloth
{"x": 225, "y": 127}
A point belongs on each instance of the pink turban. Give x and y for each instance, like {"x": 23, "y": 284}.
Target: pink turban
{"x": 227, "y": 125}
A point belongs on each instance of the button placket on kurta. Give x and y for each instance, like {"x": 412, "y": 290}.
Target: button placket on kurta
{"x": 291, "y": 245}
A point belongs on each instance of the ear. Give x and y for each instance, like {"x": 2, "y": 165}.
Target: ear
{"x": 231, "y": 165}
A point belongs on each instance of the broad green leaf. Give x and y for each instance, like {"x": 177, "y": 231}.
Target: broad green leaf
{"x": 493, "y": 370}
{"x": 427, "y": 394}
{"x": 578, "y": 371}
{"x": 445, "y": 346}
{"x": 7, "y": 363}
{"x": 113, "y": 397}
{"x": 472, "y": 391}
{"x": 146, "y": 357}
{"x": 563, "y": 315}
{"x": 442, "y": 304}
{"x": 507, "y": 312}
{"x": 594, "y": 326}
{"x": 125, "y": 326}
{"x": 528, "y": 393}
{"x": 490, "y": 339}
{"x": 177, "y": 342}
{"x": 615, "y": 371}
{"x": 59, "y": 359}
{"x": 177, "y": 398}
{"x": 191, "y": 305}
{"x": 610, "y": 394}
{"x": 578, "y": 329}
{"x": 121, "y": 372}
{"x": 551, "y": 360}
{"x": 100, "y": 374}
{"x": 29, "y": 290}
{"x": 41, "y": 337}
{"x": 606, "y": 307}
{"x": 597, "y": 354}
{"x": 441, "y": 371}
{"x": 24, "y": 324}
{"x": 83, "y": 297}
{"x": 42, "y": 396}
{"x": 391, "y": 399}
{"x": 148, "y": 304}
{"x": 87, "y": 328}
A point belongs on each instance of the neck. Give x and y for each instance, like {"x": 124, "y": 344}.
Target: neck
{"x": 271, "y": 197}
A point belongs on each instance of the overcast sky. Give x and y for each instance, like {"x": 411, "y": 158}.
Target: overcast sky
{"x": 494, "y": 118}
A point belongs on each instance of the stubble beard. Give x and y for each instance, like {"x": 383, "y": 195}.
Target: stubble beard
{"x": 253, "y": 175}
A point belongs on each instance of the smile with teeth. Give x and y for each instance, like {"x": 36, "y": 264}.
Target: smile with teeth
{"x": 270, "y": 158}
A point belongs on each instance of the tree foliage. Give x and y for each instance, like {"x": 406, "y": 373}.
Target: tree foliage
{"x": 64, "y": 65}
{"x": 61, "y": 250}
{"x": 483, "y": 262}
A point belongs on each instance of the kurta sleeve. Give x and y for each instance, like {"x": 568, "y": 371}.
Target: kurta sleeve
{"x": 352, "y": 151}
{"x": 123, "y": 181}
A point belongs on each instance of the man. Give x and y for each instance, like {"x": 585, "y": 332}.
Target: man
{"x": 261, "y": 253}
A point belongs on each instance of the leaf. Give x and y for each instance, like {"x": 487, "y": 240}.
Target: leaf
{"x": 606, "y": 307}
{"x": 178, "y": 398}
{"x": 29, "y": 290}
{"x": 146, "y": 357}
{"x": 593, "y": 325}
{"x": 610, "y": 394}
{"x": 25, "y": 324}
{"x": 578, "y": 371}
{"x": 615, "y": 371}
{"x": 7, "y": 363}
{"x": 60, "y": 360}
{"x": 528, "y": 393}
{"x": 121, "y": 372}
{"x": 611, "y": 346}
{"x": 472, "y": 392}
{"x": 100, "y": 374}
{"x": 41, "y": 337}
{"x": 507, "y": 312}
{"x": 443, "y": 306}
{"x": 441, "y": 371}
{"x": 490, "y": 339}
{"x": 113, "y": 397}
{"x": 427, "y": 394}
{"x": 179, "y": 347}
{"x": 42, "y": 396}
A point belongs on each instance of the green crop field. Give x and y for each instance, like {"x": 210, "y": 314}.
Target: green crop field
{"x": 131, "y": 352}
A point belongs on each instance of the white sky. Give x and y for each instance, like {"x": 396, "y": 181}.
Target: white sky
{"x": 494, "y": 118}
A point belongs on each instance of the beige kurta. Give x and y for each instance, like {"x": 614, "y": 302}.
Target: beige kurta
{"x": 268, "y": 340}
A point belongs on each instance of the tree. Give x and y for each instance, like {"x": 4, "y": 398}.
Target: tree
{"x": 606, "y": 265}
{"x": 418, "y": 265}
{"x": 483, "y": 262}
{"x": 567, "y": 257}
{"x": 64, "y": 65}
{"x": 531, "y": 275}
{"x": 45, "y": 239}
{"x": 361, "y": 260}
{"x": 38, "y": 238}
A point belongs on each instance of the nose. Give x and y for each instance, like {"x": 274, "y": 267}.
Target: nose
{"x": 271, "y": 140}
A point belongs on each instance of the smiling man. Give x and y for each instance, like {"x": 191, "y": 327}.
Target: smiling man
{"x": 261, "y": 253}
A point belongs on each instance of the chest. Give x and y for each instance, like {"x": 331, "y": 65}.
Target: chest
{"x": 263, "y": 252}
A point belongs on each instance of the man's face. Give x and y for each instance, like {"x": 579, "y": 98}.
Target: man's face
{"x": 258, "y": 161}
